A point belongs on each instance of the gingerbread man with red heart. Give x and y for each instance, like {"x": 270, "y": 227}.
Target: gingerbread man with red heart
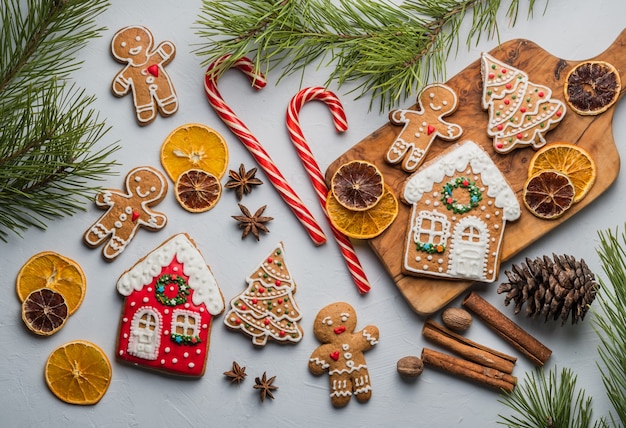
{"x": 341, "y": 353}
{"x": 422, "y": 126}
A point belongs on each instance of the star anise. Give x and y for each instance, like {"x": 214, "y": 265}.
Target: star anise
{"x": 237, "y": 374}
{"x": 252, "y": 223}
{"x": 242, "y": 181}
{"x": 265, "y": 386}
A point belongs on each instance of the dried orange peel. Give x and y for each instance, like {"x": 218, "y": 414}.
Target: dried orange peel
{"x": 78, "y": 372}
{"x": 363, "y": 224}
{"x": 197, "y": 190}
{"x": 548, "y": 194}
{"x": 357, "y": 185}
{"x": 194, "y": 146}
{"x": 56, "y": 272}
{"x": 569, "y": 159}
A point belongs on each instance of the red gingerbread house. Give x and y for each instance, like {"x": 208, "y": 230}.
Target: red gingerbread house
{"x": 461, "y": 203}
{"x": 171, "y": 297}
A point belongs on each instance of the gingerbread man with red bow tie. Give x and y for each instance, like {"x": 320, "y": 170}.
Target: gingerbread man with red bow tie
{"x": 422, "y": 126}
{"x": 144, "y": 74}
{"x": 341, "y": 353}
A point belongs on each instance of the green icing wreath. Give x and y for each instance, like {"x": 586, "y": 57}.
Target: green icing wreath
{"x": 181, "y": 295}
{"x": 452, "y": 204}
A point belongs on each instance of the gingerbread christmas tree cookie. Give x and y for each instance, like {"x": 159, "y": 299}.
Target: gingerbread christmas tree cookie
{"x": 422, "y": 126}
{"x": 520, "y": 111}
{"x": 266, "y": 309}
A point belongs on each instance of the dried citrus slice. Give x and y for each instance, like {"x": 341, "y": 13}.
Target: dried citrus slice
{"x": 548, "y": 194}
{"x": 52, "y": 270}
{"x": 357, "y": 185}
{"x": 197, "y": 190}
{"x": 592, "y": 87}
{"x": 44, "y": 311}
{"x": 569, "y": 159}
{"x": 364, "y": 224}
{"x": 194, "y": 146}
{"x": 78, "y": 372}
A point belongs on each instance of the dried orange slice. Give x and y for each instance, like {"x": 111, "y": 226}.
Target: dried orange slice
{"x": 364, "y": 224}
{"x": 44, "y": 311}
{"x": 592, "y": 87}
{"x": 548, "y": 194}
{"x": 197, "y": 190}
{"x": 78, "y": 372}
{"x": 569, "y": 159}
{"x": 56, "y": 272}
{"x": 357, "y": 185}
{"x": 194, "y": 146}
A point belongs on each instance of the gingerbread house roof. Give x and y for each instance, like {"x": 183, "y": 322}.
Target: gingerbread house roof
{"x": 201, "y": 279}
{"x": 458, "y": 159}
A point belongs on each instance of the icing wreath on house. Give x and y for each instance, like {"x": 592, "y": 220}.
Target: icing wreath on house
{"x": 171, "y": 297}
{"x": 460, "y": 205}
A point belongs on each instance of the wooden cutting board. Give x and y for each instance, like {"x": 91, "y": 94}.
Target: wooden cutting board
{"x": 594, "y": 133}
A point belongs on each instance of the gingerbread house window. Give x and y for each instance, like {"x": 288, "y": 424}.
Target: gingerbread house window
{"x": 145, "y": 334}
{"x": 431, "y": 229}
{"x": 185, "y": 323}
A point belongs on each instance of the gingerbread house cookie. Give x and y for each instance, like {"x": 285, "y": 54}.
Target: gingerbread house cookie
{"x": 461, "y": 203}
{"x": 171, "y": 297}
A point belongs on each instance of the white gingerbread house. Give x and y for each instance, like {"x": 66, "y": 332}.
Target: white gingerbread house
{"x": 460, "y": 205}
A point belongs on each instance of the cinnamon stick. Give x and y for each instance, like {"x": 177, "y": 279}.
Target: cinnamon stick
{"x": 469, "y": 370}
{"x": 466, "y": 348}
{"x": 507, "y": 329}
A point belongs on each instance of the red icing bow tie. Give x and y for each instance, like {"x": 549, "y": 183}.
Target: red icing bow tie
{"x": 340, "y": 329}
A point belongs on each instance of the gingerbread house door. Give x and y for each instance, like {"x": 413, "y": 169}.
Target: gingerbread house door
{"x": 469, "y": 249}
{"x": 145, "y": 334}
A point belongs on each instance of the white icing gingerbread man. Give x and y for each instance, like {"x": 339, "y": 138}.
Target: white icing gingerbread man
{"x": 144, "y": 73}
{"x": 422, "y": 126}
{"x": 128, "y": 211}
{"x": 342, "y": 353}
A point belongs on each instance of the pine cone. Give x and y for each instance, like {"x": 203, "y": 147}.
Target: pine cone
{"x": 551, "y": 288}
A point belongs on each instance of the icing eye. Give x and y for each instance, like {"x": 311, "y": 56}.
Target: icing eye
{"x": 123, "y": 44}
{"x": 137, "y": 38}
{"x": 445, "y": 103}
{"x": 344, "y": 317}
{"x": 137, "y": 179}
{"x": 431, "y": 95}
{"x": 327, "y": 321}
{"x": 153, "y": 189}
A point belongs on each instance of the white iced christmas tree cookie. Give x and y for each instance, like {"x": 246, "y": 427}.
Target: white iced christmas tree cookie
{"x": 520, "y": 112}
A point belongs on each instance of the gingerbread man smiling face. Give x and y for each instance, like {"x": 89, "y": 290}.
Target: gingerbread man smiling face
{"x": 422, "y": 126}
{"x": 341, "y": 353}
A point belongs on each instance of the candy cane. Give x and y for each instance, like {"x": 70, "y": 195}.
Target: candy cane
{"x": 315, "y": 173}
{"x": 254, "y": 147}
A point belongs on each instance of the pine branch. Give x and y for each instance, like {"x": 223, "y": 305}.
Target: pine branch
{"x": 387, "y": 51}
{"x": 610, "y": 320}
{"x": 548, "y": 401}
{"x": 48, "y": 132}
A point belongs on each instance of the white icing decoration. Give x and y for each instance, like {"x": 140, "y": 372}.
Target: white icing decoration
{"x": 465, "y": 155}
{"x": 145, "y": 333}
{"x": 201, "y": 280}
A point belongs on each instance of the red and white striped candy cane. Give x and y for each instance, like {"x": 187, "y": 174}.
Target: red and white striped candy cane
{"x": 254, "y": 146}
{"x": 315, "y": 173}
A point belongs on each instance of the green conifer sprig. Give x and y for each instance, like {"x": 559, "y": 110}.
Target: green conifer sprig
{"x": 549, "y": 401}
{"x": 386, "y": 50}
{"x": 610, "y": 321}
{"x": 48, "y": 132}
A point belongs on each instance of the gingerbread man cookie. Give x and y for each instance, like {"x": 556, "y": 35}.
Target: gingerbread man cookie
{"x": 144, "y": 74}
{"x": 127, "y": 211}
{"x": 341, "y": 353}
{"x": 422, "y": 126}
